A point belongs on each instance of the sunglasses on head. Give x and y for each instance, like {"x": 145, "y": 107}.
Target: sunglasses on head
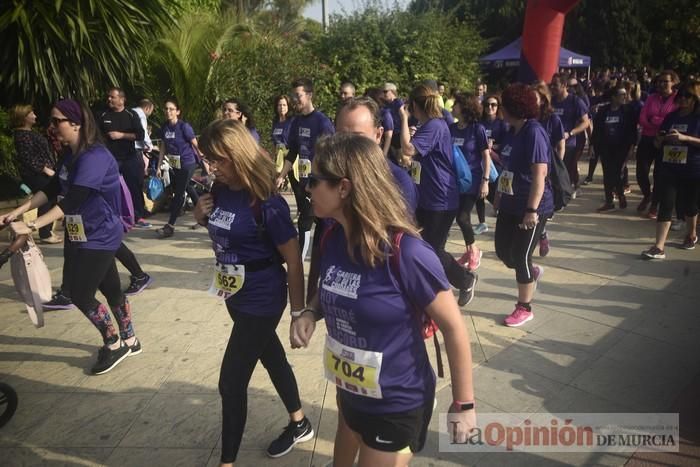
{"x": 315, "y": 179}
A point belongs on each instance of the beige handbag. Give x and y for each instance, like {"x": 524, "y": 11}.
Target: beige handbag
{"x": 31, "y": 277}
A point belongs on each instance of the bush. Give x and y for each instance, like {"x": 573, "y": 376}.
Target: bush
{"x": 7, "y": 147}
{"x": 256, "y": 68}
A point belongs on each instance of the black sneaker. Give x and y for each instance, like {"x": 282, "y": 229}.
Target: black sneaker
{"x": 587, "y": 181}
{"x": 166, "y": 231}
{"x": 467, "y": 295}
{"x": 606, "y": 208}
{"x": 295, "y": 432}
{"x": 135, "y": 349}
{"x": 653, "y": 253}
{"x": 138, "y": 284}
{"x": 58, "y": 302}
{"x": 108, "y": 358}
{"x": 623, "y": 202}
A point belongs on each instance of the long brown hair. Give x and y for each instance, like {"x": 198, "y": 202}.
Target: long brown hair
{"x": 231, "y": 140}
{"x": 426, "y": 99}
{"x": 375, "y": 206}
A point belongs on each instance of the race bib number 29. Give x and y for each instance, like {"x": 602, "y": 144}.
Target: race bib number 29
{"x": 75, "y": 228}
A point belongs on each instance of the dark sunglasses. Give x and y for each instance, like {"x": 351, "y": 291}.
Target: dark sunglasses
{"x": 492, "y": 104}
{"x": 315, "y": 179}
{"x": 55, "y": 121}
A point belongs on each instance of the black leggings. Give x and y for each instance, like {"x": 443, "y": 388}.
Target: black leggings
{"x": 123, "y": 254}
{"x": 436, "y": 228}
{"x": 592, "y": 163}
{"x": 514, "y": 246}
{"x": 180, "y": 181}
{"x": 613, "y": 158}
{"x": 646, "y": 152}
{"x": 86, "y": 271}
{"x": 304, "y": 211}
{"x": 132, "y": 169}
{"x": 464, "y": 217}
{"x": 481, "y": 202}
{"x": 252, "y": 338}
{"x": 671, "y": 189}
{"x": 571, "y": 163}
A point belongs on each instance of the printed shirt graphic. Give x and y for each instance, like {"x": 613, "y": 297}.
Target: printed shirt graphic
{"x": 96, "y": 169}
{"x": 438, "y": 185}
{"x": 305, "y": 131}
{"x": 236, "y": 240}
{"x": 365, "y": 309}
{"x": 689, "y": 125}
{"x": 529, "y": 146}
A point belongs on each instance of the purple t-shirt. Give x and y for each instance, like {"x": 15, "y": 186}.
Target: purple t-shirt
{"x": 305, "y": 131}
{"x": 570, "y": 111}
{"x": 438, "y": 185}
{"x": 97, "y": 170}
{"x": 254, "y": 133}
{"x": 368, "y": 309}
{"x": 408, "y": 189}
{"x": 280, "y": 132}
{"x": 529, "y": 146}
{"x": 178, "y": 141}
{"x": 472, "y": 140}
{"x": 496, "y": 129}
{"x": 394, "y": 110}
{"x": 554, "y": 129}
{"x": 689, "y": 125}
{"x": 387, "y": 119}
{"x": 237, "y": 239}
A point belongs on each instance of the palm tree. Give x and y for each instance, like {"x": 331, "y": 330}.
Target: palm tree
{"x": 54, "y": 48}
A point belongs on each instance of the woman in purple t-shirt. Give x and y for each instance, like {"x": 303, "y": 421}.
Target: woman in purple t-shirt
{"x": 432, "y": 170}
{"x": 470, "y": 136}
{"x": 252, "y": 236}
{"x": 89, "y": 180}
{"x": 179, "y": 145}
{"x": 678, "y": 141}
{"x": 379, "y": 281}
{"x": 526, "y": 196}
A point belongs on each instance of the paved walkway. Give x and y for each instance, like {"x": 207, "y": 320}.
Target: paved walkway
{"x": 611, "y": 333}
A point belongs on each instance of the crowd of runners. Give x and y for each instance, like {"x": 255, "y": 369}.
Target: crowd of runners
{"x": 377, "y": 190}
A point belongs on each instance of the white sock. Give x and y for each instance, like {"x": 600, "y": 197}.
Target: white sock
{"x": 307, "y": 242}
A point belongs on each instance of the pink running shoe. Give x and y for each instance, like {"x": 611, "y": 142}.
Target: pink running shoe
{"x": 537, "y": 273}
{"x": 471, "y": 259}
{"x": 519, "y": 317}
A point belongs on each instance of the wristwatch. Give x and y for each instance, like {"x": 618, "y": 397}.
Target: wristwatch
{"x": 459, "y": 405}
{"x": 531, "y": 210}
{"x": 486, "y": 179}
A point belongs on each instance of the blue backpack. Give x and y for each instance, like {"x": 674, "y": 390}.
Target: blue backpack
{"x": 462, "y": 171}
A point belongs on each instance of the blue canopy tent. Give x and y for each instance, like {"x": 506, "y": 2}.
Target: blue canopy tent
{"x": 509, "y": 56}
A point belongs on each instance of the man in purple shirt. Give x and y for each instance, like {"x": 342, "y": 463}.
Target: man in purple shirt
{"x": 573, "y": 113}
{"x": 307, "y": 127}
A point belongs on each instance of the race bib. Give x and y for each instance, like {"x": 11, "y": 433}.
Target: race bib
{"x": 415, "y": 172}
{"x": 354, "y": 370}
{"x": 676, "y": 154}
{"x": 282, "y": 152}
{"x": 75, "y": 228}
{"x": 228, "y": 280}
{"x": 174, "y": 161}
{"x": 505, "y": 182}
{"x": 304, "y": 168}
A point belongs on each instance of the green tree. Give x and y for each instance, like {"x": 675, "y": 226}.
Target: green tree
{"x": 53, "y": 48}
{"x": 374, "y": 45}
{"x": 610, "y": 31}
{"x": 675, "y": 29}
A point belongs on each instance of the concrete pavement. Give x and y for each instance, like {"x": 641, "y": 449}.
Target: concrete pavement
{"x": 612, "y": 333}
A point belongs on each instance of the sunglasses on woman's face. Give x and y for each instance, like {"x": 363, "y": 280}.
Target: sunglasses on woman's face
{"x": 55, "y": 121}
{"x": 492, "y": 104}
{"x": 315, "y": 179}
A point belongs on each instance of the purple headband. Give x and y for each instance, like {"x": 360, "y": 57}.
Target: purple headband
{"x": 71, "y": 109}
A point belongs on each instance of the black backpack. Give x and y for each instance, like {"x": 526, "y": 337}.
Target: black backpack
{"x": 560, "y": 181}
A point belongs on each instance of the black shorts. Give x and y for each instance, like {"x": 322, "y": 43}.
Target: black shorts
{"x": 392, "y": 432}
